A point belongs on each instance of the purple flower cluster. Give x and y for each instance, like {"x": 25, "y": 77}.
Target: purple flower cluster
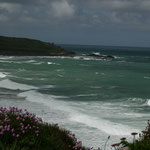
{"x": 16, "y": 122}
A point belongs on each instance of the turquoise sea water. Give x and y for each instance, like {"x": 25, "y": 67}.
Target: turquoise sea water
{"x": 92, "y": 98}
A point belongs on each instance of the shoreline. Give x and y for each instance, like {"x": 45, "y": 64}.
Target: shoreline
{"x": 81, "y": 56}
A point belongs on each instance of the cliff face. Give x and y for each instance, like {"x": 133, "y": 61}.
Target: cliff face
{"x": 29, "y": 47}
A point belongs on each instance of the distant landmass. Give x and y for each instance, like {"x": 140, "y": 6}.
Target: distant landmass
{"x": 12, "y": 46}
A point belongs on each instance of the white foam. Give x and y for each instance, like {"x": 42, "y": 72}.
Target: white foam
{"x": 103, "y": 125}
{"x": 59, "y": 75}
{"x": 38, "y": 63}
{"x": 6, "y": 57}
{"x": 8, "y": 84}
{"x": 77, "y": 57}
{"x": 37, "y": 97}
{"x": 135, "y": 115}
{"x": 146, "y": 77}
{"x": 97, "y": 53}
{"x": 30, "y": 61}
{"x": 148, "y": 102}
{"x": 5, "y": 61}
{"x": 60, "y": 70}
{"x": 51, "y": 63}
{"x": 48, "y": 86}
{"x": 75, "y": 115}
{"x": 2, "y": 75}
{"x": 136, "y": 100}
{"x": 88, "y": 58}
{"x": 33, "y": 96}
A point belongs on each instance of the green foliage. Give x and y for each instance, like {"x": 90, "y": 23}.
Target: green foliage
{"x": 28, "y": 47}
{"x": 21, "y": 130}
{"x": 141, "y": 143}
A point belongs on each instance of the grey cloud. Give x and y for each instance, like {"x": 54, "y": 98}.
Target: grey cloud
{"x": 80, "y": 13}
{"x": 122, "y": 5}
{"x": 62, "y": 8}
{"x": 26, "y": 2}
{"x": 9, "y": 7}
{"x": 37, "y": 10}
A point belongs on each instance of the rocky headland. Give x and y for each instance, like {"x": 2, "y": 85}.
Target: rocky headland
{"x": 12, "y": 46}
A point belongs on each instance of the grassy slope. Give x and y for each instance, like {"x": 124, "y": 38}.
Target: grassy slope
{"x": 29, "y": 47}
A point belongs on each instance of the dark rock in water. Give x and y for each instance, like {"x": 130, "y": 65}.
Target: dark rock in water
{"x": 101, "y": 56}
{"x": 12, "y": 46}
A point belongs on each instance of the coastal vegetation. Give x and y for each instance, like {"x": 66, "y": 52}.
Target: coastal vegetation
{"x": 21, "y": 130}
{"x": 141, "y": 141}
{"x": 12, "y": 46}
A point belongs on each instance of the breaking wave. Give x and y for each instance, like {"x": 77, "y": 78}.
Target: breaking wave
{"x": 8, "y": 84}
{"x": 2, "y": 75}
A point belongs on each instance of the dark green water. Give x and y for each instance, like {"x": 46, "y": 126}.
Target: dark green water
{"x": 90, "y": 97}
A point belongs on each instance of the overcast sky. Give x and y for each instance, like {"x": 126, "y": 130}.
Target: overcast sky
{"x": 96, "y": 22}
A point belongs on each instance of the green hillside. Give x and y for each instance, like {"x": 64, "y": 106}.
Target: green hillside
{"x": 29, "y": 47}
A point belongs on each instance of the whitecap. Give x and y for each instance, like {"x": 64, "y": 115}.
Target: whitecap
{"x": 6, "y": 57}
{"x": 38, "y": 63}
{"x": 5, "y": 61}
{"x": 97, "y": 53}
{"x": 60, "y": 70}
{"x": 2, "y": 75}
{"x": 88, "y": 58}
{"x": 30, "y": 61}
{"x": 75, "y": 115}
{"x": 134, "y": 115}
{"x": 117, "y": 57}
{"x": 47, "y": 86}
{"x": 59, "y": 75}
{"x": 47, "y": 100}
{"x": 148, "y": 102}
{"x": 77, "y": 57}
{"x": 51, "y": 63}
{"x": 102, "y": 73}
{"x": 136, "y": 100}
{"x": 147, "y": 78}
{"x": 8, "y": 84}
{"x": 106, "y": 126}
{"x": 28, "y": 78}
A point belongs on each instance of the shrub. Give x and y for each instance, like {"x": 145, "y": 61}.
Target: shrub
{"x": 141, "y": 143}
{"x": 21, "y": 130}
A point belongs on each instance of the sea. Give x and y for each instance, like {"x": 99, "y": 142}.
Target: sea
{"x": 93, "y": 98}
